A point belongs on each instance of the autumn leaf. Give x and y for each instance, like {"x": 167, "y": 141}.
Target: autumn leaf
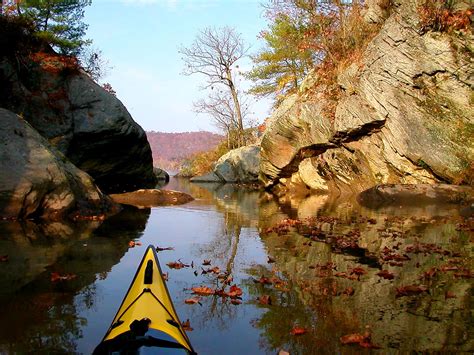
{"x": 263, "y": 280}
{"x": 56, "y": 276}
{"x": 176, "y": 265}
{"x": 298, "y": 331}
{"x": 187, "y": 326}
{"x": 349, "y": 291}
{"x": 449, "y": 294}
{"x": 410, "y": 290}
{"x": 193, "y": 300}
{"x": 355, "y": 338}
{"x": 203, "y": 290}
{"x": 206, "y": 262}
{"x": 235, "y": 301}
{"x": 131, "y": 244}
{"x": 386, "y": 274}
{"x": 138, "y": 243}
{"x": 265, "y": 299}
{"x": 234, "y": 291}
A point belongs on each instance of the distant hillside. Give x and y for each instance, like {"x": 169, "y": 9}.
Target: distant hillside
{"x": 170, "y": 149}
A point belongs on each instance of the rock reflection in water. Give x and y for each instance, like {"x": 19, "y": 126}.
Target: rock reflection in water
{"x": 426, "y": 245}
{"x": 38, "y": 315}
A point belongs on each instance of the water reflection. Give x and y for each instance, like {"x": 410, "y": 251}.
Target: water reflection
{"x": 316, "y": 259}
{"x": 38, "y": 315}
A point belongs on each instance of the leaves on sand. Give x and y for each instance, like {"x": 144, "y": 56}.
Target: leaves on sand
{"x": 363, "y": 340}
{"x": 298, "y": 330}
{"x": 410, "y": 290}
{"x": 386, "y": 274}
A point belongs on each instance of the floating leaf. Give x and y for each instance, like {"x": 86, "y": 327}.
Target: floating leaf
{"x": 176, "y": 265}
{"x": 131, "y": 243}
{"x": 234, "y": 291}
{"x": 56, "y": 276}
{"x": 265, "y": 299}
{"x": 235, "y": 301}
{"x": 187, "y": 326}
{"x": 203, "y": 290}
{"x": 206, "y": 262}
{"x": 386, "y": 274}
{"x": 193, "y": 300}
{"x": 410, "y": 290}
{"x": 298, "y": 331}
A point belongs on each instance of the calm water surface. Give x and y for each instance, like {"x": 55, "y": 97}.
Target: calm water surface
{"x": 302, "y": 263}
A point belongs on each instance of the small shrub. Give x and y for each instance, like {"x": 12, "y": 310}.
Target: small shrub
{"x": 439, "y": 15}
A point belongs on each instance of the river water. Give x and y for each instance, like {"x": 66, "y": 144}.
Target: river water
{"x": 305, "y": 265}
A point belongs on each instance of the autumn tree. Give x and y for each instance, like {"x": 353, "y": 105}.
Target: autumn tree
{"x": 214, "y": 54}
{"x": 282, "y": 64}
{"x": 58, "y": 22}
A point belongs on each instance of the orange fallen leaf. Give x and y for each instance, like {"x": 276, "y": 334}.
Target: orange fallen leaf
{"x": 56, "y": 276}
{"x": 203, "y": 290}
{"x": 265, "y": 299}
{"x": 298, "y": 331}
{"x": 234, "y": 291}
{"x": 386, "y": 274}
{"x": 349, "y": 291}
{"x": 263, "y": 280}
{"x": 235, "y": 301}
{"x": 131, "y": 243}
{"x": 187, "y": 326}
{"x": 355, "y": 338}
{"x": 410, "y": 290}
{"x": 449, "y": 294}
{"x": 192, "y": 300}
{"x": 176, "y": 265}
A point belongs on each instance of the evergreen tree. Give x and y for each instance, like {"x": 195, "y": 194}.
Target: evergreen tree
{"x": 283, "y": 62}
{"x": 58, "y": 22}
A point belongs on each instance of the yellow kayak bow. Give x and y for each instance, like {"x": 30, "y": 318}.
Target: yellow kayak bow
{"x": 147, "y": 304}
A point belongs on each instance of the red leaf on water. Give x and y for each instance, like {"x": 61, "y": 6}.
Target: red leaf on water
{"x": 192, "y": 300}
{"x": 386, "y": 274}
{"x": 265, "y": 299}
{"x": 348, "y": 291}
{"x": 187, "y": 326}
{"x": 234, "y": 291}
{"x": 203, "y": 290}
{"x": 298, "y": 331}
{"x": 131, "y": 243}
{"x": 176, "y": 265}
{"x": 56, "y": 276}
{"x": 410, "y": 290}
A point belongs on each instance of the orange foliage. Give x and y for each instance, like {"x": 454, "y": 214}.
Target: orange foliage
{"x": 54, "y": 63}
{"x": 438, "y": 16}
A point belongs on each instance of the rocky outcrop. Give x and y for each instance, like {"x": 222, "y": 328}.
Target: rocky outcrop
{"x": 161, "y": 175}
{"x": 240, "y": 165}
{"x": 404, "y": 115}
{"x": 84, "y": 122}
{"x": 37, "y": 181}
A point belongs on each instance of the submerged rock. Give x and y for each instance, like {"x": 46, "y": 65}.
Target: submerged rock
{"x": 152, "y": 197}
{"x": 37, "y": 181}
{"x": 419, "y": 194}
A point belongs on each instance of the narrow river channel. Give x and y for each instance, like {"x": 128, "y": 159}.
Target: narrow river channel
{"x": 318, "y": 275}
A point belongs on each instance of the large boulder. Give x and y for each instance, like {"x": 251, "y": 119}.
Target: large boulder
{"x": 239, "y": 165}
{"x": 89, "y": 125}
{"x": 404, "y": 115}
{"x": 37, "y": 181}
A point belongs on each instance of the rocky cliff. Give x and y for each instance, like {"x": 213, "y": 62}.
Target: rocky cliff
{"x": 404, "y": 114}
{"x": 84, "y": 122}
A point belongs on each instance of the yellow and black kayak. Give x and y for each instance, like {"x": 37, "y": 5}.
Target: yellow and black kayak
{"x": 147, "y": 305}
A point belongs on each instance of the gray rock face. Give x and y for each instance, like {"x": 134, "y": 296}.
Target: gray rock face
{"x": 37, "y": 181}
{"x": 405, "y": 116}
{"x": 84, "y": 122}
{"x": 239, "y": 165}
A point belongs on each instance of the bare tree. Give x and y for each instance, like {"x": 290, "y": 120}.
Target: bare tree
{"x": 213, "y": 54}
{"x": 220, "y": 107}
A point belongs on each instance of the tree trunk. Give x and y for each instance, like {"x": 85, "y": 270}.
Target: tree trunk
{"x": 238, "y": 112}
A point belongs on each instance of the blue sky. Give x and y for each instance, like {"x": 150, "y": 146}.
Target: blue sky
{"x": 140, "y": 40}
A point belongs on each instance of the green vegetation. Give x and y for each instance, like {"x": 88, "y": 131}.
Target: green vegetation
{"x": 58, "y": 22}
{"x": 202, "y": 163}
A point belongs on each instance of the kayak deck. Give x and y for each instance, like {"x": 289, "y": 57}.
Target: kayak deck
{"x": 147, "y": 304}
